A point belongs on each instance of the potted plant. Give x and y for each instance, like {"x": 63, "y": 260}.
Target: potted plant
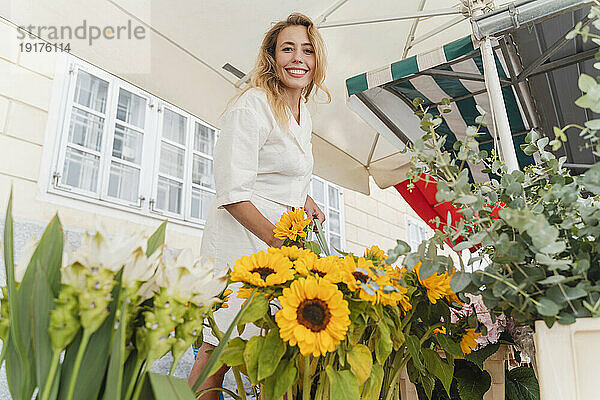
{"x": 535, "y": 235}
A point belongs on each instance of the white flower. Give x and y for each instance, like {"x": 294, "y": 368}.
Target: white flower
{"x": 140, "y": 268}
{"x": 98, "y": 250}
{"x": 186, "y": 279}
{"x": 21, "y": 265}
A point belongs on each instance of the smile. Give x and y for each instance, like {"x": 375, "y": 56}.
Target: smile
{"x": 296, "y": 72}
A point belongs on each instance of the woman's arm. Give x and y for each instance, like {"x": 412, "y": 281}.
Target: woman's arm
{"x": 248, "y": 215}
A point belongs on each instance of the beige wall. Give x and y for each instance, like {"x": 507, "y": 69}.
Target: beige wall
{"x": 378, "y": 219}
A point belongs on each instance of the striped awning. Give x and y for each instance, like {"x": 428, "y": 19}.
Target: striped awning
{"x": 384, "y": 97}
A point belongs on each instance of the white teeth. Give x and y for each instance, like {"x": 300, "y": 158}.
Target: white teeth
{"x": 297, "y": 71}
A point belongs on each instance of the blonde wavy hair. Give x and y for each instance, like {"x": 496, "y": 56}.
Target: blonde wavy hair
{"x": 264, "y": 75}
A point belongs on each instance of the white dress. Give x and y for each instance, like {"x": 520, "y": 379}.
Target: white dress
{"x": 254, "y": 160}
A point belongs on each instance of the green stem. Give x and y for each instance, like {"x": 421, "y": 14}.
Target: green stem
{"x": 174, "y": 365}
{"x": 220, "y": 389}
{"x": 306, "y": 383}
{"x": 510, "y": 285}
{"x": 140, "y": 384}
{"x": 136, "y": 371}
{"x": 239, "y": 383}
{"x": 82, "y": 346}
{"x": 397, "y": 370}
{"x": 51, "y": 375}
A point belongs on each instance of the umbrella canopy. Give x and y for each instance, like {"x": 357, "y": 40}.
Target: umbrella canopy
{"x": 384, "y": 97}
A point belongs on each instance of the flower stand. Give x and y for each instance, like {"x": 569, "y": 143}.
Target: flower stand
{"x": 494, "y": 365}
{"x": 567, "y": 359}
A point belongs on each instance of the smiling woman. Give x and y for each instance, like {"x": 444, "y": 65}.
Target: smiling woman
{"x": 263, "y": 166}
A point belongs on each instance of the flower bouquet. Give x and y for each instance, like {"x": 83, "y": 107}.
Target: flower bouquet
{"x": 343, "y": 327}
{"x": 89, "y": 324}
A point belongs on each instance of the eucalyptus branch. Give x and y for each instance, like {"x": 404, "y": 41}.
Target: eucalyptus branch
{"x": 510, "y": 285}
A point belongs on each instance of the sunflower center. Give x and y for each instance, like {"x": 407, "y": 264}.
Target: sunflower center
{"x": 313, "y": 314}
{"x": 263, "y": 272}
{"x": 359, "y": 276}
{"x": 320, "y": 273}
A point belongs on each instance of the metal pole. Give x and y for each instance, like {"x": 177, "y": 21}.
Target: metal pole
{"x": 497, "y": 103}
{"x": 374, "y": 20}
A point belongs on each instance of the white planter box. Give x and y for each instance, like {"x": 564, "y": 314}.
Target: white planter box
{"x": 568, "y": 358}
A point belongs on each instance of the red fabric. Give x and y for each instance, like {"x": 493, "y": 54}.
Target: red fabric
{"x": 422, "y": 200}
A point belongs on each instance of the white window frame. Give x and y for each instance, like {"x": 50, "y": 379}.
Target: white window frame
{"x": 426, "y": 231}
{"x": 326, "y": 208}
{"x": 149, "y": 168}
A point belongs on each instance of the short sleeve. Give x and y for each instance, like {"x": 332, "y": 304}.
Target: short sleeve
{"x": 236, "y": 156}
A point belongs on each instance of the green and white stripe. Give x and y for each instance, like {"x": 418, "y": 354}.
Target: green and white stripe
{"x": 403, "y": 79}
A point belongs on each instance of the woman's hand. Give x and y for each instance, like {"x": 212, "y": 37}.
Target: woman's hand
{"x": 313, "y": 211}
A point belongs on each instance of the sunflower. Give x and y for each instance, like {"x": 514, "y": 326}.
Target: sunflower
{"x": 263, "y": 269}
{"x": 357, "y": 271}
{"x": 328, "y": 268}
{"x": 293, "y": 253}
{"x": 437, "y": 285}
{"x": 468, "y": 342}
{"x": 291, "y": 225}
{"x": 375, "y": 254}
{"x": 313, "y": 315}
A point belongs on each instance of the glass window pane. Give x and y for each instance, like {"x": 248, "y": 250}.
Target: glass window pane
{"x": 123, "y": 182}
{"x": 86, "y": 129}
{"x": 81, "y": 170}
{"x": 173, "y": 126}
{"x": 318, "y": 191}
{"x": 127, "y": 144}
{"x": 334, "y": 222}
{"x": 172, "y": 160}
{"x": 334, "y": 197}
{"x": 201, "y": 202}
{"x": 169, "y": 195}
{"x": 202, "y": 172}
{"x": 204, "y": 139}
{"x": 131, "y": 108}
{"x": 335, "y": 242}
{"x": 90, "y": 91}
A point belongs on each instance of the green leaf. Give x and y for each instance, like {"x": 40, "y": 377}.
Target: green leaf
{"x": 553, "y": 280}
{"x": 157, "y": 239}
{"x": 414, "y": 346}
{"x": 273, "y": 349}
{"x": 428, "y": 383}
{"x": 383, "y": 343}
{"x": 251, "y": 357}
{"x": 19, "y": 370}
{"x": 42, "y": 303}
{"x": 460, "y": 280}
{"x": 467, "y": 199}
{"x": 449, "y": 345}
{"x": 471, "y": 383}
{"x": 438, "y": 367}
{"x": 343, "y": 385}
{"x": 586, "y": 82}
{"x": 116, "y": 365}
{"x": 547, "y": 307}
{"x": 372, "y": 388}
{"x": 281, "y": 380}
{"x": 314, "y": 247}
{"x": 361, "y": 362}
{"x": 257, "y": 309}
{"x": 591, "y": 179}
{"x": 234, "y": 352}
{"x": 521, "y": 384}
{"x": 169, "y": 387}
{"x": 479, "y": 356}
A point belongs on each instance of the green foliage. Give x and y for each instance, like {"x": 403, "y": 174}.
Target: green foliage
{"x": 521, "y": 384}
{"x": 538, "y": 229}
